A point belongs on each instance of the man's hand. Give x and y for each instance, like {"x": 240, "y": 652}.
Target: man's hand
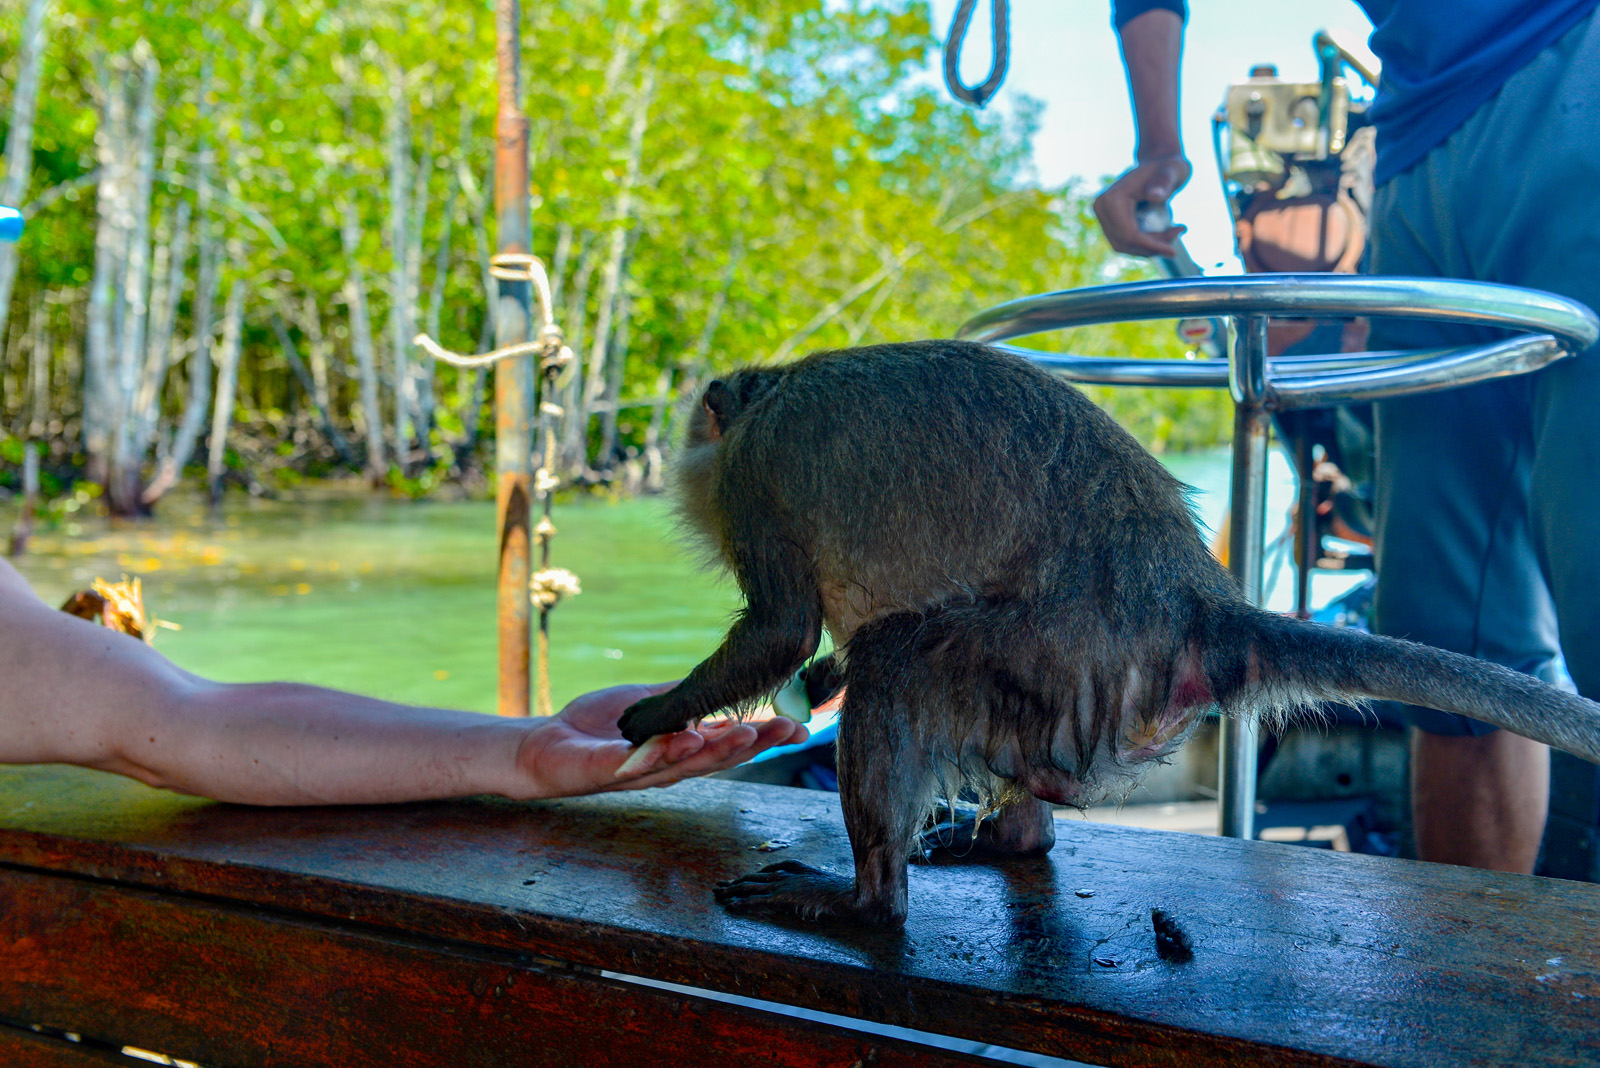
{"x": 1152, "y": 183}
{"x": 579, "y": 750}
{"x": 1152, "y": 48}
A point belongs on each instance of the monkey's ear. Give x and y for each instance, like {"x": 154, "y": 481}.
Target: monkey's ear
{"x": 719, "y": 404}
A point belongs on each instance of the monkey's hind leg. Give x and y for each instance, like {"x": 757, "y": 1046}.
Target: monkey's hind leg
{"x": 884, "y": 780}
{"x": 1024, "y": 828}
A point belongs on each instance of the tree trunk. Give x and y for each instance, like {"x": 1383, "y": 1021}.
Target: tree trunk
{"x": 172, "y": 260}
{"x": 39, "y": 351}
{"x": 558, "y": 263}
{"x": 309, "y": 385}
{"x": 654, "y": 454}
{"x": 355, "y": 295}
{"x": 419, "y": 376}
{"x": 200, "y": 358}
{"x": 19, "y": 138}
{"x": 109, "y": 245}
{"x": 10, "y": 374}
{"x": 318, "y": 346}
{"x": 402, "y": 300}
{"x": 227, "y": 392}
{"x": 695, "y": 364}
{"x": 208, "y": 274}
{"x": 472, "y": 410}
{"x": 576, "y": 420}
{"x": 441, "y": 275}
{"x": 616, "y": 368}
{"x": 123, "y": 480}
{"x": 621, "y": 236}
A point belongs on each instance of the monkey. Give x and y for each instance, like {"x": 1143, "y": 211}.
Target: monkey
{"x": 1019, "y": 599}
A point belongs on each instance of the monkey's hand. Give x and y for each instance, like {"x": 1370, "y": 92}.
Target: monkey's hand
{"x": 791, "y": 889}
{"x": 660, "y": 714}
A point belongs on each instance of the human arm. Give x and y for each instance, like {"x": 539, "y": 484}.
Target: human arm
{"x": 77, "y": 693}
{"x": 1152, "y": 51}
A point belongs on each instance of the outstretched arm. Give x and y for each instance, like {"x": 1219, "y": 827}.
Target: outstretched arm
{"x": 1152, "y": 51}
{"x": 77, "y": 693}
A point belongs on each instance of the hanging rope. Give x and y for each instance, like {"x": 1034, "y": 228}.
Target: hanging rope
{"x": 549, "y": 584}
{"x": 1000, "y": 56}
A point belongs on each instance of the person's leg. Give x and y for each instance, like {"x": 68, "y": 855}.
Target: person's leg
{"x": 1456, "y": 564}
{"x": 1479, "y": 800}
{"x": 1464, "y": 212}
{"x": 1549, "y": 238}
{"x": 1551, "y": 219}
{"x": 1457, "y": 571}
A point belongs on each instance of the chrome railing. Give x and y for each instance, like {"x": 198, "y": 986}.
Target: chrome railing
{"x": 1551, "y": 328}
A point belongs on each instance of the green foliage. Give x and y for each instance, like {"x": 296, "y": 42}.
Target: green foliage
{"x": 798, "y": 185}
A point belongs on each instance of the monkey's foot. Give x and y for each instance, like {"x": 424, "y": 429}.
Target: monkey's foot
{"x": 652, "y": 716}
{"x": 792, "y": 889}
{"x": 1015, "y": 831}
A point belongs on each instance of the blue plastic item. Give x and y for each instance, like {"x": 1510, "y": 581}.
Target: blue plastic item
{"x": 10, "y": 223}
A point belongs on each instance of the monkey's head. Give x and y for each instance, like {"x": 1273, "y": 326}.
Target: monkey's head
{"x": 724, "y": 401}
{"x": 725, "y": 409}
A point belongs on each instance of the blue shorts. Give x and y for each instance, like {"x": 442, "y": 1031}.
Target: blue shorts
{"x": 1488, "y": 497}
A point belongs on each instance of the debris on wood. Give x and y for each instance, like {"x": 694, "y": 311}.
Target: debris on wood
{"x": 771, "y": 845}
{"x": 1172, "y": 942}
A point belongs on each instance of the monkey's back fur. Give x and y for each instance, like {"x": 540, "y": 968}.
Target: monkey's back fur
{"x": 1016, "y": 587}
{"x": 1053, "y": 561}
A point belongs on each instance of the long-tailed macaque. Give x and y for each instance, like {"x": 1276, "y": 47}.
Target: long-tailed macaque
{"x": 1020, "y": 600}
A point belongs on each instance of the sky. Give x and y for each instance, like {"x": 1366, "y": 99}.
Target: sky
{"x": 1064, "y": 52}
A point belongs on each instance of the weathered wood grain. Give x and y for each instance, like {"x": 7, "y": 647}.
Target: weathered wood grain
{"x": 226, "y": 986}
{"x": 1301, "y": 956}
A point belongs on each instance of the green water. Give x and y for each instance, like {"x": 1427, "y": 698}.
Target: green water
{"x": 396, "y": 598}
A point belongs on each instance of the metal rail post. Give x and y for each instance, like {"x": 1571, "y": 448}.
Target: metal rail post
{"x": 1238, "y": 743}
{"x": 513, "y": 379}
{"x": 1307, "y": 544}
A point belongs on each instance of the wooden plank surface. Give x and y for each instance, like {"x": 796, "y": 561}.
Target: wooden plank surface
{"x": 1301, "y": 956}
{"x": 222, "y": 985}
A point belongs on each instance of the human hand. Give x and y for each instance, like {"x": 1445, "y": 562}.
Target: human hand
{"x": 1151, "y": 182}
{"x": 580, "y": 749}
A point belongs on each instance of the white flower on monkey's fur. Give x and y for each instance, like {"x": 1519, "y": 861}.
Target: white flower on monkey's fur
{"x": 552, "y": 584}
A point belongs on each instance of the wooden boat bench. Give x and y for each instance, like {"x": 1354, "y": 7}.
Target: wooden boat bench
{"x": 482, "y": 932}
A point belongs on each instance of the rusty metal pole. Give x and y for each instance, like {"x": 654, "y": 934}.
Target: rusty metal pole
{"x": 513, "y": 379}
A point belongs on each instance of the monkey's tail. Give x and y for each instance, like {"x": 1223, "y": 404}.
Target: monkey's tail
{"x": 1320, "y": 663}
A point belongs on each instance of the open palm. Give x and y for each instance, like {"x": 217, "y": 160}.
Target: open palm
{"x": 580, "y": 749}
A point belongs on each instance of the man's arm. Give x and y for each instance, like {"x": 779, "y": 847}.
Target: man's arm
{"x": 1152, "y": 51}
{"x": 76, "y": 693}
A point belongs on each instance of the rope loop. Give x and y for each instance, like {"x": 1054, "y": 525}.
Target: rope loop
{"x": 550, "y": 345}
{"x": 981, "y": 94}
